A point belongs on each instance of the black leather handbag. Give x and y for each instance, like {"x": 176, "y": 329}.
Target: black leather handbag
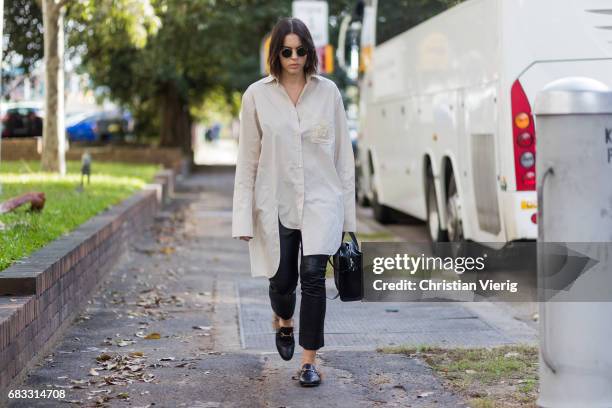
{"x": 347, "y": 266}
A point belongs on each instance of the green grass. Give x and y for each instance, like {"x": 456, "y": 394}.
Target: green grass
{"x": 329, "y": 270}
{"x": 65, "y": 208}
{"x": 373, "y": 236}
{"x": 487, "y": 377}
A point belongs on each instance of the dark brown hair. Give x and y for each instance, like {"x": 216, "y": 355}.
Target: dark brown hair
{"x": 281, "y": 29}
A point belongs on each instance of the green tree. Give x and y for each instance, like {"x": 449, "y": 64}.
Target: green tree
{"x": 25, "y": 40}
{"x": 396, "y": 16}
{"x": 1, "y": 30}
{"x": 164, "y": 75}
{"x": 54, "y": 140}
{"x": 201, "y": 45}
{"x": 23, "y": 27}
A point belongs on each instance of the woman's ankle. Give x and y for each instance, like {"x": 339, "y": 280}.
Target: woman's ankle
{"x": 285, "y": 323}
{"x": 308, "y": 357}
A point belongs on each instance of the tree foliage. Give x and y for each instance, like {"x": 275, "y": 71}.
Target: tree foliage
{"x": 162, "y": 58}
{"x": 396, "y": 16}
{"x": 23, "y": 30}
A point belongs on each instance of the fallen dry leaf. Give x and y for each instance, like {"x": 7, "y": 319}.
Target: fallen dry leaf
{"x": 167, "y": 250}
{"x": 104, "y": 357}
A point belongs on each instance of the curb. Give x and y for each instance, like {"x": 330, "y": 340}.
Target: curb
{"x": 41, "y": 294}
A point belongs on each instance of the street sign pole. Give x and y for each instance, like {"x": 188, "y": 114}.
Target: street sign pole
{"x": 315, "y": 14}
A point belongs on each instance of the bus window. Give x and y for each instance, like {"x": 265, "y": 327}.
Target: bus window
{"x": 396, "y": 16}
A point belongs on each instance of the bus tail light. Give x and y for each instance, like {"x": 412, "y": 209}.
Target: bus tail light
{"x": 529, "y": 180}
{"x": 525, "y": 139}
{"x": 523, "y": 135}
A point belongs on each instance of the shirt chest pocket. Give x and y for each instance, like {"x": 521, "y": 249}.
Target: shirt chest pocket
{"x": 320, "y": 132}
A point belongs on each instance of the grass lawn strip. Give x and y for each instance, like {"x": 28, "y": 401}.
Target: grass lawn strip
{"x": 504, "y": 376}
{"x": 65, "y": 208}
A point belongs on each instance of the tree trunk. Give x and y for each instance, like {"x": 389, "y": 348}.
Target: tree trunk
{"x": 176, "y": 122}
{"x": 1, "y": 36}
{"x": 169, "y": 111}
{"x": 185, "y": 124}
{"x": 54, "y": 132}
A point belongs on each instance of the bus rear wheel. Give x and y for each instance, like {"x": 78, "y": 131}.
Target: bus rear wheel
{"x": 454, "y": 222}
{"x": 360, "y": 194}
{"x": 436, "y": 234}
{"x": 382, "y": 213}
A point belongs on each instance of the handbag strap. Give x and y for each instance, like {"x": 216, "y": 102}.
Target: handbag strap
{"x": 353, "y": 238}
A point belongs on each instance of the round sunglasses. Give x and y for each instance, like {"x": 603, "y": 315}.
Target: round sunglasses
{"x": 287, "y": 52}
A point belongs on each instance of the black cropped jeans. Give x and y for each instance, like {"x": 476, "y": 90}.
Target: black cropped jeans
{"x": 312, "y": 283}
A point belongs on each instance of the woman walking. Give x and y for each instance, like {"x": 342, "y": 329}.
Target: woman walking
{"x": 294, "y": 187}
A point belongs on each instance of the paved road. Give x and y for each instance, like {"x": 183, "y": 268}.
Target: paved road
{"x": 187, "y": 282}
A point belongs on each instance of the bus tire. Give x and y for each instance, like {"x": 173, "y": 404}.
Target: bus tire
{"x": 382, "y": 213}
{"x": 360, "y": 194}
{"x": 454, "y": 222}
{"x": 436, "y": 234}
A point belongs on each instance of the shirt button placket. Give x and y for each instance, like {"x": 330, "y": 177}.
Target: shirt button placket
{"x": 298, "y": 138}
{"x": 300, "y": 180}
{"x": 299, "y": 172}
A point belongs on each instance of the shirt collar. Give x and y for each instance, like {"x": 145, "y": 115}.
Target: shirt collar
{"x": 272, "y": 78}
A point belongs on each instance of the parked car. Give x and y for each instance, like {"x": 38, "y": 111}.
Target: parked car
{"x": 97, "y": 126}
{"x": 22, "y": 121}
{"x": 80, "y": 127}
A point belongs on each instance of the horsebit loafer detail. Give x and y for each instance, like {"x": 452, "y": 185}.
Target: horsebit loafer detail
{"x": 309, "y": 376}
{"x": 285, "y": 342}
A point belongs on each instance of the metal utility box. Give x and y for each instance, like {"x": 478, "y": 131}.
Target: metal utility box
{"x": 574, "y": 181}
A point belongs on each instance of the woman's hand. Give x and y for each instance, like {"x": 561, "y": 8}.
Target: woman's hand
{"x": 246, "y": 238}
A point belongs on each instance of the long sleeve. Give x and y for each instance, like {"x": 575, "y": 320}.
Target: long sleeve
{"x": 345, "y": 164}
{"x": 249, "y": 147}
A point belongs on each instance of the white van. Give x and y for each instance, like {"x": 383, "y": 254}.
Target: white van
{"x": 447, "y": 133}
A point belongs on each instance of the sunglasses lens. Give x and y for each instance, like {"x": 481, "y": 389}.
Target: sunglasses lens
{"x": 288, "y": 52}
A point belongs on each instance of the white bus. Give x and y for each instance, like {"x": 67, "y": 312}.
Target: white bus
{"x": 447, "y": 133}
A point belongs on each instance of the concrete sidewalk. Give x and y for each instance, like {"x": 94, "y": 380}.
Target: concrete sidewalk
{"x": 187, "y": 282}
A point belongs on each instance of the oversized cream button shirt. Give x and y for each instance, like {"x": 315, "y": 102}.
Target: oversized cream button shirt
{"x": 295, "y": 163}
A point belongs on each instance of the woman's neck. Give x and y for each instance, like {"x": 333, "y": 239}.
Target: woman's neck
{"x": 293, "y": 79}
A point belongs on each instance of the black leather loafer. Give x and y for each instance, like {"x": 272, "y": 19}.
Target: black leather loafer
{"x": 285, "y": 343}
{"x": 309, "y": 376}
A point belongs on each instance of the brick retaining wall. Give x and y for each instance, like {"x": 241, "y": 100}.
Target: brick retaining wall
{"x": 41, "y": 295}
